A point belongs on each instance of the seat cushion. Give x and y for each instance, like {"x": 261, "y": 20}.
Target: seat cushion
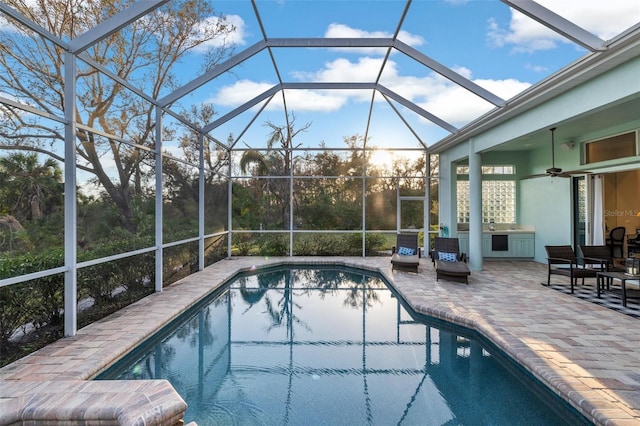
{"x": 404, "y": 260}
{"x": 452, "y": 268}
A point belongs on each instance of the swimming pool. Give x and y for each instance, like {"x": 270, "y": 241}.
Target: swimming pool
{"x": 317, "y": 345}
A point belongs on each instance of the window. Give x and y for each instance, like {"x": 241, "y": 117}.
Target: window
{"x": 488, "y": 170}
{"x": 498, "y": 194}
{"x": 611, "y": 148}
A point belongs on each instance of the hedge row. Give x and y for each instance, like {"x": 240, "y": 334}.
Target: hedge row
{"x": 32, "y": 312}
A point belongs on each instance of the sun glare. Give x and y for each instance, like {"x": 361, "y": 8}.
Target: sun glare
{"x": 381, "y": 159}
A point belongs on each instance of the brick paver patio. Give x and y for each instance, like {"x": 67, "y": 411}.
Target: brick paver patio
{"x": 588, "y": 354}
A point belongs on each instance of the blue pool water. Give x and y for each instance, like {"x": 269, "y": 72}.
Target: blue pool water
{"x": 312, "y": 346}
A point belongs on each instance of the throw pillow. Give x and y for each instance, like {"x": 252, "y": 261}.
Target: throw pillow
{"x": 447, "y": 257}
{"x": 405, "y": 251}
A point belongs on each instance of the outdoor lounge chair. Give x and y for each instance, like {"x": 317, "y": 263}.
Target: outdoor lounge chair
{"x": 450, "y": 264}
{"x": 562, "y": 260}
{"x": 406, "y": 253}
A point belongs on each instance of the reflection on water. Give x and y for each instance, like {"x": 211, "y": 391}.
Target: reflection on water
{"x": 319, "y": 346}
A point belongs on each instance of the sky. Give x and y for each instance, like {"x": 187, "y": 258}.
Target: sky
{"x": 487, "y": 42}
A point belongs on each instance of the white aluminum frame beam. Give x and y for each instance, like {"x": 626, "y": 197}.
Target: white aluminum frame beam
{"x": 159, "y": 210}
{"x": 33, "y": 26}
{"x": 406, "y": 123}
{"x": 318, "y": 85}
{"x": 328, "y": 43}
{"x": 114, "y": 24}
{"x": 558, "y": 24}
{"x": 28, "y": 108}
{"x": 70, "y": 200}
{"x": 212, "y": 73}
{"x": 124, "y": 83}
{"x": 331, "y": 86}
{"x": 331, "y": 42}
{"x": 418, "y": 110}
{"x": 253, "y": 119}
{"x": 242, "y": 108}
{"x": 448, "y": 73}
{"x": 269, "y": 43}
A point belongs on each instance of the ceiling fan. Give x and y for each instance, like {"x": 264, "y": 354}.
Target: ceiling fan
{"x": 554, "y": 171}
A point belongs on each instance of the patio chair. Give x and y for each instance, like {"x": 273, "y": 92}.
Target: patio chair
{"x": 562, "y": 260}
{"x": 449, "y": 262}
{"x": 598, "y": 256}
{"x": 446, "y": 245}
{"x": 406, "y": 253}
{"x": 633, "y": 245}
{"x": 616, "y": 241}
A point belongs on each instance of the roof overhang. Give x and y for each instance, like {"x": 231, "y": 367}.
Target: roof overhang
{"x": 620, "y": 50}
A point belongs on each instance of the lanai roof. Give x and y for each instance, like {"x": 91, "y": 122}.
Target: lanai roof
{"x": 405, "y": 74}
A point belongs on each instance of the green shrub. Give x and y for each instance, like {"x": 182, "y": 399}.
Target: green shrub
{"x": 336, "y": 244}
{"x": 273, "y": 245}
{"x": 13, "y": 313}
{"x": 242, "y": 244}
{"x": 38, "y": 304}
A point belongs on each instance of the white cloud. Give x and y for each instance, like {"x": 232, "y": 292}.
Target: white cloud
{"x": 310, "y": 100}
{"x": 455, "y": 105}
{"x": 432, "y": 92}
{"x": 524, "y": 34}
{"x": 364, "y": 69}
{"x": 336, "y": 30}
{"x": 536, "y": 68}
{"x": 605, "y": 19}
{"x": 506, "y": 89}
{"x": 4, "y": 24}
{"x": 236, "y": 37}
{"x": 447, "y": 100}
{"x": 240, "y": 92}
{"x": 343, "y": 31}
{"x": 411, "y": 39}
{"x": 298, "y": 100}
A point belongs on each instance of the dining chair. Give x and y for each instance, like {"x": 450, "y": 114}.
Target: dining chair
{"x": 616, "y": 241}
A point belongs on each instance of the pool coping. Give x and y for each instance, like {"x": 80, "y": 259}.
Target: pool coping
{"x": 586, "y": 354}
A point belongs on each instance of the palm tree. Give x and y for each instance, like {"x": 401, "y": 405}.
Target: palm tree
{"x": 278, "y": 162}
{"x": 30, "y": 188}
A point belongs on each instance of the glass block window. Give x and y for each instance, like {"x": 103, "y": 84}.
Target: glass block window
{"x": 498, "y": 194}
{"x": 498, "y": 170}
{"x": 582, "y": 208}
{"x": 489, "y": 170}
{"x": 498, "y": 201}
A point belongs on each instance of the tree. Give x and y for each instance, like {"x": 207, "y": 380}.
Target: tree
{"x": 216, "y": 158}
{"x": 144, "y": 54}
{"x": 276, "y": 162}
{"x": 29, "y": 188}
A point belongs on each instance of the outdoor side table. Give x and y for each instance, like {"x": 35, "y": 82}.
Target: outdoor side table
{"x": 622, "y": 277}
